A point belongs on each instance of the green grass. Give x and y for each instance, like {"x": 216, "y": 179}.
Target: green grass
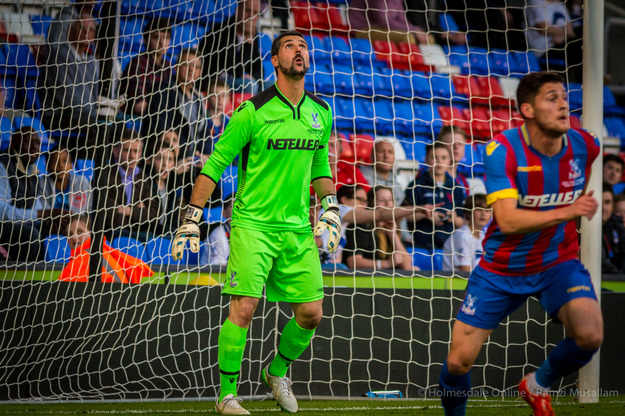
{"x": 563, "y": 406}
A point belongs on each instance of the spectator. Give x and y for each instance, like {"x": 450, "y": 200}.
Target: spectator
{"x": 219, "y": 237}
{"x": 613, "y": 248}
{"x": 118, "y": 268}
{"x": 421, "y": 14}
{"x": 149, "y": 70}
{"x": 182, "y": 109}
{"x": 388, "y": 16}
{"x": 231, "y": 49}
{"x": 125, "y": 209}
{"x": 25, "y": 221}
{"x": 550, "y": 35}
{"x": 612, "y": 169}
{"x": 382, "y": 172}
{"x": 343, "y": 172}
{"x": 463, "y": 249}
{"x": 435, "y": 188}
{"x": 62, "y": 188}
{"x": 57, "y": 32}
{"x": 155, "y": 190}
{"x": 219, "y": 106}
{"x": 457, "y": 139}
{"x": 619, "y": 206}
{"x": 378, "y": 245}
{"x": 70, "y": 78}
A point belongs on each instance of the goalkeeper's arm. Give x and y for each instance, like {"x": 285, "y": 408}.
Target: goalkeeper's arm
{"x": 190, "y": 230}
{"x": 331, "y": 218}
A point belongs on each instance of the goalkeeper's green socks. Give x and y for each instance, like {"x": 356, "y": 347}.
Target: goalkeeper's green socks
{"x": 231, "y": 344}
{"x": 293, "y": 341}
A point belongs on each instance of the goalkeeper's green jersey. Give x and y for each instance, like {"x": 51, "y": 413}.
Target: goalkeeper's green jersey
{"x": 281, "y": 149}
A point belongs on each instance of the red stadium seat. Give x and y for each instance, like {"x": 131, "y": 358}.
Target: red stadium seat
{"x": 414, "y": 57}
{"x": 306, "y": 17}
{"x": 453, "y": 115}
{"x": 363, "y": 145}
{"x": 333, "y": 17}
{"x": 382, "y": 50}
{"x": 481, "y": 90}
{"x": 480, "y": 122}
{"x": 501, "y": 120}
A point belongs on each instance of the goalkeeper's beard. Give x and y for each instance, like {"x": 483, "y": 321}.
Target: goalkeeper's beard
{"x": 292, "y": 72}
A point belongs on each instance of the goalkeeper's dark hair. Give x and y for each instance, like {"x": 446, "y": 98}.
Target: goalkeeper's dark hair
{"x": 158, "y": 24}
{"x": 531, "y": 83}
{"x": 372, "y": 195}
{"x": 277, "y": 42}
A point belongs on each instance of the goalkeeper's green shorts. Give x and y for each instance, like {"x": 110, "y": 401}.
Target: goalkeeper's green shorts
{"x": 285, "y": 261}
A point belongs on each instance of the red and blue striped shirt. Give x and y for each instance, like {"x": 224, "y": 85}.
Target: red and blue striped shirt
{"x": 514, "y": 169}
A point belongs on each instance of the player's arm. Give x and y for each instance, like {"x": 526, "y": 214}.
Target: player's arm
{"x": 236, "y": 135}
{"x": 513, "y": 220}
{"x": 363, "y": 215}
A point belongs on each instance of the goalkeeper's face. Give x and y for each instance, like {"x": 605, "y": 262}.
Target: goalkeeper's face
{"x": 293, "y": 59}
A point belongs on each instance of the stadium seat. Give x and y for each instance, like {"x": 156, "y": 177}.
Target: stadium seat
{"x": 382, "y": 82}
{"x": 320, "y": 53}
{"x": 384, "y": 116}
{"x": 342, "y": 79}
{"x": 214, "y": 214}
{"x": 6, "y": 128}
{"x": 427, "y": 118}
{"x": 442, "y": 87}
{"x": 575, "y": 96}
{"x": 84, "y": 167}
{"x": 405, "y": 120}
{"x": 422, "y": 258}
{"x": 526, "y": 62}
{"x": 305, "y": 17}
{"x": 131, "y": 34}
{"x": 458, "y": 56}
{"x": 56, "y": 249}
{"x": 341, "y": 52}
{"x": 414, "y": 148}
{"x": 501, "y": 120}
{"x": 433, "y": 56}
{"x": 420, "y": 85}
{"x": 265, "y": 41}
{"x": 453, "y": 115}
{"x": 615, "y": 126}
{"x": 40, "y": 164}
{"x": 344, "y": 113}
{"x": 478, "y": 61}
{"x": 401, "y": 84}
{"x": 364, "y": 114}
{"x": 362, "y": 51}
{"x": 480, "y": 122}
{"x": 575, "y": 121}
{"x": 131, "y": 247}
{"x": 509, "y": 86}
{"x": 336, "y": 23}
{"x": 413, "y": 57}
{"x": 499, "y": 62}
{"x": 21, "y": 57}
{"x": 187, "y": 35}
{"x": 363, "y": 81}
{"x": 158, "y": 251}
{"x": 437, "y": 259}
{"x": 40, "y": 24}
{"x": 18, "y": 24}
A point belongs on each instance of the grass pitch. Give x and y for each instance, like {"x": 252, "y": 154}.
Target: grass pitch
{"x": 607, "y": 406}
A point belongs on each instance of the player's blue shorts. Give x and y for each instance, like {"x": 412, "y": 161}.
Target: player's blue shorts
{"x": 490, "y": 297}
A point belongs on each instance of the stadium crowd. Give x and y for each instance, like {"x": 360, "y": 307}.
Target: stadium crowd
{"x": 176, "y": 105}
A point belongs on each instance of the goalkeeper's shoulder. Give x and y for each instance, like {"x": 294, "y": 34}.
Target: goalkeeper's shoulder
{"x": 320, "y": 102}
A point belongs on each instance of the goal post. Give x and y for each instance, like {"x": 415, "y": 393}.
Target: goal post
{"x": 589, "y": 387}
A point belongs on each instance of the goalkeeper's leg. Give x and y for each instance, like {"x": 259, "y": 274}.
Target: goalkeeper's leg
{"x": 231, "y": 342}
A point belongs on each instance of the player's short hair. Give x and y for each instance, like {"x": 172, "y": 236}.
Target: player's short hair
{"x": 613, "y": 158}
{"x": 451, "y": 129}
{"x": 128, "y": 135}
{"x": 619, "y": 198}
{"x": 347, "y": 191}
{"x": 185, "y": 52}
{"x": 372, "y": 195}
{"x": 531, "y": 83}
{"x": 277, "y": 42}
{"x": 438, "y": 145}
{"x": 85, "y": 219}
{"x": 158, "y": 24}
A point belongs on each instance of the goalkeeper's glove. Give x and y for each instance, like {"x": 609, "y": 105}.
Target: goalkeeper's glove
{"x": 189, "y": 230}
{"x": 331, "y": 220}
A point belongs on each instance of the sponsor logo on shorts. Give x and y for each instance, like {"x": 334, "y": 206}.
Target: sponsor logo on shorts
{"x": 580, "y": 288}
{"x": 468, "y": 307}
{"x": 233, "y": 276}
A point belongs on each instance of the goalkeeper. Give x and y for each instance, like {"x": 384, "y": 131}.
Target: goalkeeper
{"x": 281, "y": 137}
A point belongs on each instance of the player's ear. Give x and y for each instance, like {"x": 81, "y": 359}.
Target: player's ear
{"x": 527, "y": 110}
{"x": 274, "y": 61}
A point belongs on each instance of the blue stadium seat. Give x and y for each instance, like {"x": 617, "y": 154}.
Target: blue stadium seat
{"x": 40, "y": 24}
{"x": 382, "y": 82}
{"x": 442, "y": 87}
{"x": 384, "y": 116}
{"x": 499, "y": 62}
{"x": 427, "y": 119}
{"x": 131, "y": 34}
{"x": 420, "y": 85}
{"x": 364, "y": 114}
{"x": 214, "y": 214}
{"x": 341, "y": 52}
{"x": 186, "y": 35}
{"x": 404, "y": 116}
{"x": 269, "y": 73}
{"x": 21, "y": 57}
{"x": 615, "y": 126}
{"x": 131, "y": 247}
{"x": 478, "y": 61}
{"x": 362, "y": 51}
{"x": 158, "y": 251}
{"x": 319, "y": 52}
{"x": 609, "y": 103}
{"x": 6, "y": 128}
{"x": 344, "y": 113}
{"x": 458, "y": 56}
{"x": 265, "y": 42}
{"x": 40, "y": 164}
{"x": 422, "y": 258}
{"x": 575, "y": 96}
{"x": 84, "y": 167}
{"x": 526, "y": 62}
{"x": 414, "y": 148}
{"x": 323, "y": 79}
{"x": 343, "y": 82}
{"x": 56, "y": 249}
{"x": 402, "y": 87}
{"x": 363, "y": 81}
{"x": 437, "y": 259}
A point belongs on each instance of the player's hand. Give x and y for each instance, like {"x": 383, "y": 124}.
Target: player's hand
{"x": 585, "y": 206}
{"x": 188, "y": 231}
{"x": 331, "y": 220}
